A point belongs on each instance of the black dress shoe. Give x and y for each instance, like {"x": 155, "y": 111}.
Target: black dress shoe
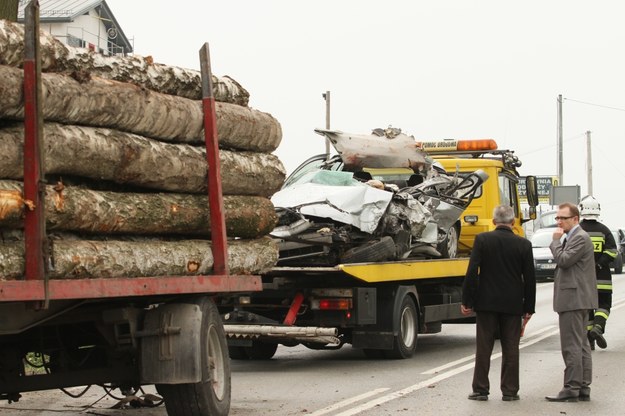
{"x": 584, "y": 397}
{"x": 562, "y": 397}
{"x": 508, "y": 398}
{"x": 476, "y": 395}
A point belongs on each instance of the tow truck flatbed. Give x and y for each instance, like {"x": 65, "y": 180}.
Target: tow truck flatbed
{"x": 386, "y": 271}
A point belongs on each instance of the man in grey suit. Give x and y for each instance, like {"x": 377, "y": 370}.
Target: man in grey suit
{"x": 574, "y": 293}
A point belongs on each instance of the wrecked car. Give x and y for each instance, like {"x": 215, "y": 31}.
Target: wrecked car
{"x": 380, "y": 199}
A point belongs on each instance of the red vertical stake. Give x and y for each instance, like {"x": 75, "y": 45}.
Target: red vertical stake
{"x": 34, "y": 221}
{"x": 215, "y": 198}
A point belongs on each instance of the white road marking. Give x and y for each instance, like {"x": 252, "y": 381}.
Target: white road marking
{"x": 347, "y": 402}
{"x": 472, "y": 356}
{"x": 531, "y": 340}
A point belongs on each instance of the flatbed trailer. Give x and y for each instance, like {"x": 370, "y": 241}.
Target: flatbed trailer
{"x": 116, "y": 332}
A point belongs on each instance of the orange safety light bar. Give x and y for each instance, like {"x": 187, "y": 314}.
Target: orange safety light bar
{"x": 442, "y": 146}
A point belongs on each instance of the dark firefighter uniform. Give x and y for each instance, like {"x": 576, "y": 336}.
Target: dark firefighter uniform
{"x": 605, "y": 253}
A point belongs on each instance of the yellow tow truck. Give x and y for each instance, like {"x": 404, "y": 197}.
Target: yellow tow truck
{"x": 378, "y": 306}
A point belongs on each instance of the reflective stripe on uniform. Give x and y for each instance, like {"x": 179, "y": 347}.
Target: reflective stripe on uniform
{"x": 603, "y": 313}
{"x": 605, "y": 287}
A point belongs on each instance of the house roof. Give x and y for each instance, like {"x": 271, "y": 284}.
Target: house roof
{"x": 68, "y": 10}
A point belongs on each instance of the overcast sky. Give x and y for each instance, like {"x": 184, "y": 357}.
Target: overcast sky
{"x": 436, "y": 69}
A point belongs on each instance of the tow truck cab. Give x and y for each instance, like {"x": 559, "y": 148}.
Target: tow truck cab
{"x": 466, "y": 156}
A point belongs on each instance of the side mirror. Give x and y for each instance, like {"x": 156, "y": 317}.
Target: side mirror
{"x": 531, "y": 188}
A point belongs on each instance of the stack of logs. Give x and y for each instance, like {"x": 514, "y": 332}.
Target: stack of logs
{"x": 125, "y": 165}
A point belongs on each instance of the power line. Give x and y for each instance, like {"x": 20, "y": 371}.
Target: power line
{"x": 595, "y": 105}
{"x": 578, "y": 136}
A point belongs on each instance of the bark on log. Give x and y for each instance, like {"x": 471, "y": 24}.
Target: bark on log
{"x": 72, "y": 259}
{"x": 84, "y": 210}
{"x": 138, "y": 70}
{"x": 122, "y": 106}
{"x": 125, "y": 158}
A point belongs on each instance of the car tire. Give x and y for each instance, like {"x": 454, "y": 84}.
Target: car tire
{"x": 377, "y": 250}
{"x": 449, "y": 246}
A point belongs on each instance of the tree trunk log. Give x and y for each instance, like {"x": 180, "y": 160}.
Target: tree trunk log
{"x": 111, "y": 155}
{"x": 72, "y": 259}
{"x": 84, "y": 210}
{"x": 138, "y": 70}
{"x": 122, "y": 106}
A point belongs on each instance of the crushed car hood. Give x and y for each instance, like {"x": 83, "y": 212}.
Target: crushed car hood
{"x": 350, "y": 202}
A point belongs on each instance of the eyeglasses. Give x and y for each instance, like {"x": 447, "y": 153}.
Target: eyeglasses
{"x": 563, "y": 218}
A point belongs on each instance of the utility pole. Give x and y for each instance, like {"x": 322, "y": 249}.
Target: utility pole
{"x": 326, "y": 96}
{"x": 589, "y": 162}
{"x": 560, "y": 151}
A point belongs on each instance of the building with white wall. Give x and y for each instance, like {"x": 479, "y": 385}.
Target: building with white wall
{"x": 86, "y": 24}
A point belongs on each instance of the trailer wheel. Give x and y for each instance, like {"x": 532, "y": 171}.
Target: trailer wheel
{"x": 408, "y": 325}
{"x": 210, "y": 396}
{"x": 261, "y": 350}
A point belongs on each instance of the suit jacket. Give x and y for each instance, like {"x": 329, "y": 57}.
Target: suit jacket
{"x": 500, "y": 277}
{"x": 575, "y": 282}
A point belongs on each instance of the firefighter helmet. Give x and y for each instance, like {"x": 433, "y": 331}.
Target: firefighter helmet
{"x": 589, "y": 208}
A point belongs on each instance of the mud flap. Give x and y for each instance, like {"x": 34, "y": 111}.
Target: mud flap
{"x": 170, "y": 345}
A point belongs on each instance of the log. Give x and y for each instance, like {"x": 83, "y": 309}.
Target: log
{"x": 124, "y": 158}
{"x": 84, "y": 210}
{"x": 104, "y": 103}
{"x": 138, "y": 70}
{"x": 71, "y": 259}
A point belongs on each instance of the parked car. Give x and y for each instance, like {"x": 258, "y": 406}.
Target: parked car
{"x": 544, "y": 264}
{"x": 619, "y": 237}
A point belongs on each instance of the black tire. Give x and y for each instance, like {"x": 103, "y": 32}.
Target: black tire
{"x": 374, "y": 354}
{"x": 449, "y": 246}
{"x": 211, "y": 396}
{"x": 261, "y": 350}
{"x": 377, "y": 250}
{"x": 237, "y": 353}
{"x": 407, "y": 324}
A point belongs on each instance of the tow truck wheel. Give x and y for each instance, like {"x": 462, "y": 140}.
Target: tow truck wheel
{"x": 374, "y": 354}
{"x": 210, "y": 396}
{"x": 407, "y": 327}
{"x": 237, "y": 353}
{"x": 261, "y": 350}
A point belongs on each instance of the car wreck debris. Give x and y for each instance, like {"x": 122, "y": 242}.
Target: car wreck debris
{"x": 333, "y": 211}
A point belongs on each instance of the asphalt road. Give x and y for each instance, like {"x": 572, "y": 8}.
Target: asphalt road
{"x": 435, "y": 381}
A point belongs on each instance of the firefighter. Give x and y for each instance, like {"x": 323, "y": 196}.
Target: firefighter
{"x": 605, "y": 253}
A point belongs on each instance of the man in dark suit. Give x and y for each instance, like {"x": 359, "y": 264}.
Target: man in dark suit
{"x": 500, "y": 287}
{"x": 574, "y": 293}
